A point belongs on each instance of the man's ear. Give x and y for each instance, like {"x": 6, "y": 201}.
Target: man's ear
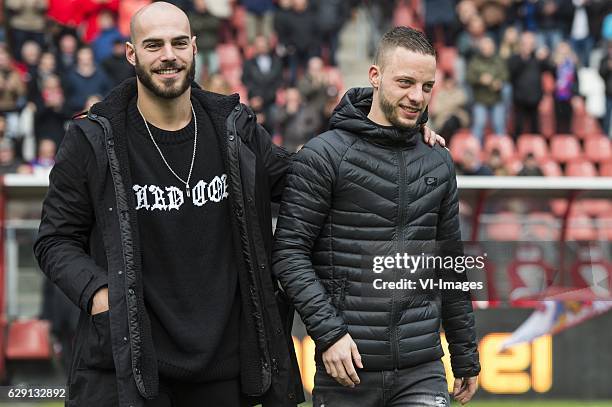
{"x": 194, "y": 45}
{"x": 130, "y": 53}
{"x": 374, "y": 75}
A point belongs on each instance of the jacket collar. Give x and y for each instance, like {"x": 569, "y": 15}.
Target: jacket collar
{"x": 351, "y": 115}
{"x": 115, "y": 103}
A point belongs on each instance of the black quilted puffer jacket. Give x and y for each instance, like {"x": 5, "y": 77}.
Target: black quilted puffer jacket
{"x": 362, "y": 190}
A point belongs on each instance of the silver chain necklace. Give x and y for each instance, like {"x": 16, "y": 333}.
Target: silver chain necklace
{"x": 195, "y": 144}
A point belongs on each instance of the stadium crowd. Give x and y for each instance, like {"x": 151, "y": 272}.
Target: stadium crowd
{"x": 509, "y": 68}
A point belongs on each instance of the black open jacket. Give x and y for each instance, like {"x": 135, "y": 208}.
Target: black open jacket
{"x": 362, "y": 190}
{"x": 88, "y": 239}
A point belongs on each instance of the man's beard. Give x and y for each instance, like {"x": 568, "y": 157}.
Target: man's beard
{"x": 172, "y": 92}
{"x": 390, "y": 111}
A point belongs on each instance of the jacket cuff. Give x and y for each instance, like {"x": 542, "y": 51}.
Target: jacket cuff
{"x": 90, "y": 289}
{"x": 326, "y": 341}
{"x": 469, "y": 371}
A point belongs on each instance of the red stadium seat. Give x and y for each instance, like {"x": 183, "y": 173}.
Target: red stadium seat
{"x": 461, "y": 142}
{"x": 580, "y": 227}
{"x": 586, "y": 127}
{"x": 595, "y": 207}
{"x": 501, "y": 142}
{"x": 532, "y": 143}
{"x": 580, "y": 168}
{"x": 550, "y": 168}
{"x": 605, "y": 170}
{"x": 541, "y": 226}
{"x": 28, "y": 339}
{"x": 604, "y": 226}
{"x": 598, "y": 149}
{"x": 529, "y": 275}
{"x": 592, "y": 271}
{"x": 564, "y": 148}
{"x": 506, "y": 228}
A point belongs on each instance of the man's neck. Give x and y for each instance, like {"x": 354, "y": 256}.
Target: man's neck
{"x": 166, "y": 114}
{"x": 376, "y": 114}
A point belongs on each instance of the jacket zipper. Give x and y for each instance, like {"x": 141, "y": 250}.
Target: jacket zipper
{"x": 400, "y": 244}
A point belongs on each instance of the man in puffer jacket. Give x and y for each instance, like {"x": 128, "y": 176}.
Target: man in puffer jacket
{"x": 369, "y": 188}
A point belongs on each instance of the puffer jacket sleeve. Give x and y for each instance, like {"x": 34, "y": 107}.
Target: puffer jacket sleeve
{"x": 304, "y": 209}
{"x": 457, "y": 313}
{"x": 61, "y": 247}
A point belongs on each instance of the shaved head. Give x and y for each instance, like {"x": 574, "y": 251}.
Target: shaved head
{"x": 162, "y": 50}
{"x": 153, "y": 13}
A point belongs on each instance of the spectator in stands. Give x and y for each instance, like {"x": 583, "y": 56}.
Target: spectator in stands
{"x": 91, "y": 10}
{"x": 282, "y": 28}
{"x": 27, "y": 22}
{"x": 218, "y": 84}
{"x": 448, "y": 108}
{"x": 508, "y": 47}
{"x": 30, "y": 57}
{"x": 45, "y": 68}
{"x": 51, "y": 115}
{"x": 526, "y": 69}
{"x": 85, "y": 80}
{"x": 302, "y": 42}
{"x": 440, "y": 21}
{"x": 486, "y": 73}
{"x": 471, "y": 164}
{"x": 45, "y": 159}
{"x": 116, "y": 67}
{"x": 205, "y": 26}
{"x": 380, "y": 15}
{"x": 66, "y": 55}
{"x": 259, "y": 18}
{"x": 551, "y": 16}
{"x": 296, "y": 121}
{"x": 496, "y": 163}
{"x": 108, "y": 33}
{"x": 605, "y": 70}
{"x": 495, "y": 17}
{"x": 12, "y": 86}
{"x": 330, "y": 16}
{"x": 9, "y": 164}
{"x": 263, "y": 74}
{"x": 566, "y": 86}
{"x": 510, "y": 43}
{"x": 580, "y": 34}
{"x": 315, "y": 86}
{"x": 467, "y": 43}
{"x": 530, "y": 167}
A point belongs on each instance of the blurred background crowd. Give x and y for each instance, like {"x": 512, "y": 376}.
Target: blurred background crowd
{"x": 524, "y": 87}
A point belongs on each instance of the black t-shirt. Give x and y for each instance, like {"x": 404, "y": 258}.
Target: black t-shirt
{"x": 189, "y": 274}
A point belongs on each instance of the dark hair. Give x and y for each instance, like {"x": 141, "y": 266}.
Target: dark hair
{"x": 404, "y": 37}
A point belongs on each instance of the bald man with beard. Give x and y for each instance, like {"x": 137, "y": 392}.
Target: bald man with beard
{"x": 157, "y": 225}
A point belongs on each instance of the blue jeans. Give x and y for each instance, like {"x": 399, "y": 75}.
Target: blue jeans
{"x": 419, "y": 386}
{"x": 480, "y": 115}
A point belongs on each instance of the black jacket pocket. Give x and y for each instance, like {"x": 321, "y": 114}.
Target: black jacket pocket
{"x": 98, "y": 352}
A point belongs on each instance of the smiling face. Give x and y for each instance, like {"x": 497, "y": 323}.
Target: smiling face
{"x": 162, "y": 50}
{"x": 402, "y": 87}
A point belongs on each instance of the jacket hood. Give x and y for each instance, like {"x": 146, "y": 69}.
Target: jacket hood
{"x": 351, "y": 115}
{"x": 116, "y": 102}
